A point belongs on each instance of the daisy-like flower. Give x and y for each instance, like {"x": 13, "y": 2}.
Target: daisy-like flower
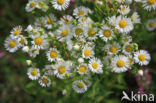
{"x": 124, "y": 10}
{"x": 53, "y": 54}
{"x": 151, "y": 24}
{"x": 49, "y": 70}
{"x": 44, "y": 81}
{"x": 91, "y": 33}
{"x": 112, "y": 20}
{"x": 120, "y": 64}
{"x": 22, "y": 40}
{"x": 11, "y": 44}
{"x": 78, "y": 31}
{"x": 79, "y": 86}
{"x": 33, "y": 73}
{"x": 33, "y": 52}
{"x": 64, "y": 33}
{"x": 60, "y": 4}
{"x": 142, "y": 57}
{"x": 67, "y": 20}
{"x": 39, "y": 42}
{"x": 85, "y": 21}
{"x": 112, "y": 48}
{"x": 149, "y": 4}
{"x": 130, "y": 61}
{"x": 31, "y": 5}
{"x": 81, "y": 11}
{"x": 16, "y": 31}
{"x": 40, "y": 21}
{"x": 95, "y": 65}
{"x": 126, "y": 39}
{"x": 87, "y": 52}
{"x": 106, "y": 33}
{"x": 127, "y": 48}
{"x": 61, "y": 69}
{"x": 49, "y": 21}
{"x": 135, "y": 18}
{"x": 123, "y": 24}
{"x": 82, "y": 69}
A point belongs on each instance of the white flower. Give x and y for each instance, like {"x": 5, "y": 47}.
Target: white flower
{"x": 25, "y": 49}
{"x": 33, "y": 73}
{"x": 49, "y": 70}
{"x": 135, "y": 18}
{"x": 141, "y": 72}
{"x": 31, "y": 5}
{"x": 76, "y": 47}
{"x": 79, "y": 86}
{"x": 112, "y": 20}
{"x": 124, "y": 10}
{"x": 123, "y": 24}
{"x": 64, "y": 33}
{"x": 81, "y": 11}
{"x": 149, "y": 4}
{"x": 87, "y": 52}
{"x": 91, "y": 33}
{"x": 95, "y": 65}
{"x": 112, "y": 48}
{"x": 128, "y": 48}
{"x": 22, "y": 40}
{"x": 106, "y": 33}
{"x": 33, "y": 52}
{"x": 82, "y": 68}
{"x": 151, "y": 24}
{"x": 16, "y": 31}
{"x": 120, "y": 64}
{"x": 60, "y": 4}
{"x": 39, "y": 42}
{"x": 126, "y": 39}
{"x": 11, "y": 44}
{"x": 44, "y": 81}
{"x": 80, "y": 60}
{"x": 66, "y": 20}
{"x": 142, "y": 57}
{"x": 49, "y": 21}
{"x": 78, "y": 31}
{"x": 61, "y": 69}
{"x": 53, "y": 54}
{"x": 29, "y": 28}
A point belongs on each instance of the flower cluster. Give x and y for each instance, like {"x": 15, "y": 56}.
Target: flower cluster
{"x": 78, "y": 47}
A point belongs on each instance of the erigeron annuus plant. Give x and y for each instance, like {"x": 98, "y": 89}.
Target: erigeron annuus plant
{"x": 83, "y": 43}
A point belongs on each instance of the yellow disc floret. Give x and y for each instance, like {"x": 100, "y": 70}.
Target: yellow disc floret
{"x": 122, "y": 23}
{"x": 12, "y": 44}
{"x": 62, "y": 69}
{"x": 95, "y": 65}
{"x": 38, "y": 41}
{"x": 142, "y": 57}
{"x": 120, "y": 63}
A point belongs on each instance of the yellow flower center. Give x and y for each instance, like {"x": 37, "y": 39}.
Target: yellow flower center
{"x": 61, "y": 69}
{"x": 83, "y": 19}
{"x": 125, "y": 39}
{"x": 17, "y": 32}
{"x": 82, "y": 69}
{"x": 87, "y": 52}
{"x": 64, "y": 33}
{"x": 34, "y": 72}
{"x": 151, "y": 24}
{"x": 49, "y": 20}
{"x": 151, "y": 2}
{"x": 129, "y": 48}
{"x": 38, "y": 41}
{"x": 53, "y": 54}
{"x": 122, "y": 24}
{"x": 32, "y": 4}
{"x": 130, "y": 61}
{"x": 107, "y": 33}
{"x": 80, "y": 85}
{"x": 113, "y": 49}
{"x": 60, "y": 2}
{"x": 142, "y": 57}
{"x": 81, "y": 13}
{"x": 45, "y": 80}
{"x": 120, "y": 63}
{"x": 67, "y": 21}
{"x": 40, "y": 4}
{"x": 78, "y": 31}
{"x": 123, "y": 9}
{"x": 91, "y": 32}
{"x": 12, "y": 44}
{"x": 95, "y": 65}
{"x": 22, "y": 41}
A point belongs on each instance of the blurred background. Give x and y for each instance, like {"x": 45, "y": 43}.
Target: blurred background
{"x": 15, "y": 87}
